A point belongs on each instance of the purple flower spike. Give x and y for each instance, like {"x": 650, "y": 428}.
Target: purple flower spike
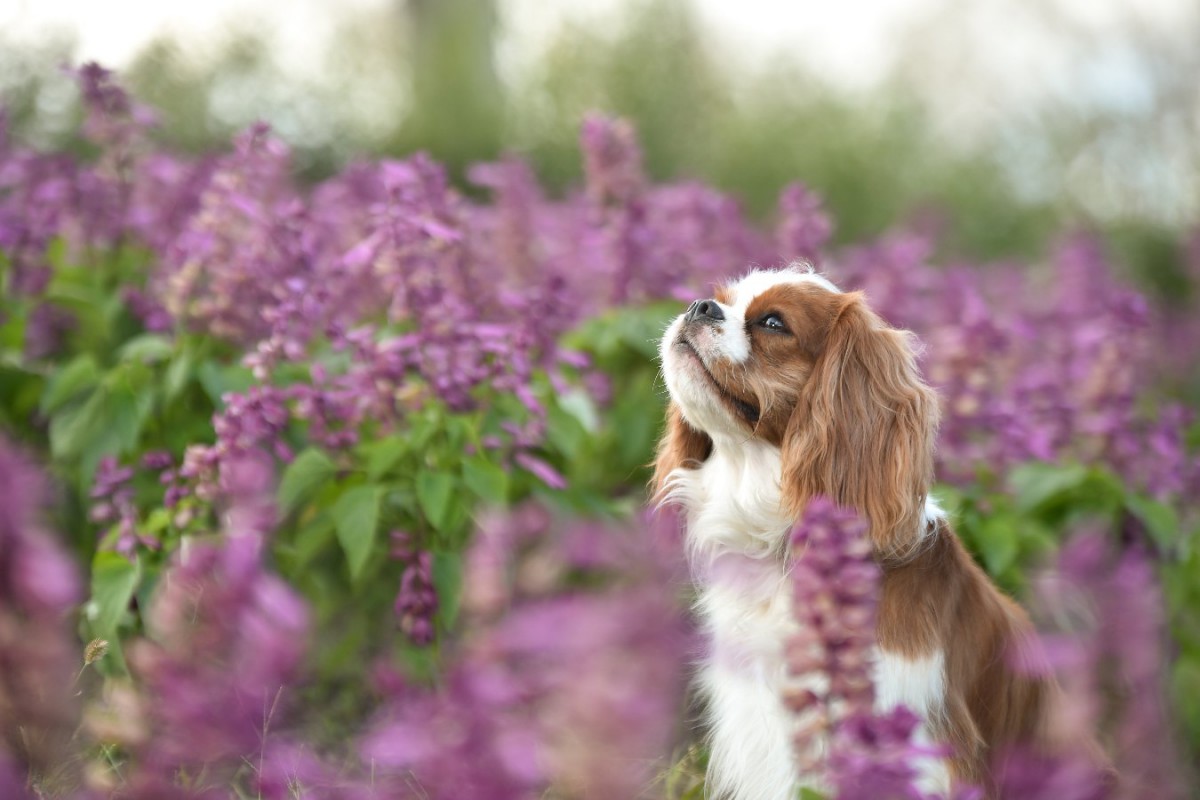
{"x": 417, "y": 601}
{"x": 39, "y": 586}
{"x": 804, "y": 227}
{"x": 612, "y": 160}
{"x": 842, "y": 741}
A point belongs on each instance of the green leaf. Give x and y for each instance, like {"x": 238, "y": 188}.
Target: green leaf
{"x": 355, "y": 517}
{"x": 21, "y": 390}
{"x": 423, "y": 427}
{"x": 997, "y": 541}
{"x": 109, "y": 422}
{"x": 56, "y": 256}
{"x": 157, "y": 521}
{"x": 147, "y": 348}
{"x": 72, "y": 430}
{"x": 310, "y": 540}
{"x": 434, "y": 491}
{"x": 12, "y": 323}
{"x": 72, "y": 380}
{"x": 177, "y": 376}
{"x": 488, "y": 481}
{"x": 579, "y": 404}
{"x": 1036, "y": 484}
{"x": 114, "y": 580}
{"x": 307, "y": 472}
{"x": 566, "y": 434}
{"x": 127, "y": 410}
{"x": 147, "y": 583}
{"x": 218, "y": 380}
{"x": 1160, "y": 519}
{"x": 383, "y": 455}
{"x": 1185, "y": 684}
{"x": 447, "y": 580}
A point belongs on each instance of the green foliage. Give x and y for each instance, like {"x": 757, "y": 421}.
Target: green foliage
{"x": 115, "y": 579}
{"x": 610, "y": 448}
{"x": 356, "y": 519}
{"x": 307, "y": 473}
{"x": 1014, "y": 531}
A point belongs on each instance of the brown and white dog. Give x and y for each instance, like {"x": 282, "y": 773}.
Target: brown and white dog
{"x": 783, "y": 388}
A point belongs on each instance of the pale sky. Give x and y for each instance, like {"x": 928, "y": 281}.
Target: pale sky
{"x": 847, "y": 41}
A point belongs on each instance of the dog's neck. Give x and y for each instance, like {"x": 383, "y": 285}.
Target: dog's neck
{"x": 734, "y": 502}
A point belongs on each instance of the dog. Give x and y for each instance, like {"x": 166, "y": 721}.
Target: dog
{"x": 784, "y": 388}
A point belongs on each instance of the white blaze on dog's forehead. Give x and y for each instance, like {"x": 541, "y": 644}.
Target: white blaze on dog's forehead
{"x": 735, "y": 342}
{"x": 755, "y": 283}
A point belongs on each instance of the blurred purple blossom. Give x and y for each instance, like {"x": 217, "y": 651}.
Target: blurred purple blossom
{"x": 248, "y": 235}
{"x": 1042, "y": 364}
{"x": 803, "y": 228}
{"x": 46, "y": 329}
{"x": 572, "y": 688}
{"x": 433, "y": 296}
{"x": 112, "y": 498}
{"x": 1108, "y": 648}
{"x": 835, "y": 582}
{"x": 154, "y": 317}
{"x": 417, "y": 601}
{"x": 112, "y": 118}
{"x": 225, "y": 639}
{"x": 874, "y": 755}
{"x": 612, "y": 160}
{"x": 12, "y": 781}
{"x": 39, "y": 590}
{"x": 860, "y": 752}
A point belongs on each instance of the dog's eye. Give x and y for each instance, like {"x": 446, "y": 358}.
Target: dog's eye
{"x": 772, "y": 322}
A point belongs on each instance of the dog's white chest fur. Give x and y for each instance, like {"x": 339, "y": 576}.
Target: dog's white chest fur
{"x": 737, "y": 536}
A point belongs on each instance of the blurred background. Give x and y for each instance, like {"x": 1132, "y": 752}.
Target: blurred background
{"x": 999, "y": 121}
{"x": 986, "y": 164}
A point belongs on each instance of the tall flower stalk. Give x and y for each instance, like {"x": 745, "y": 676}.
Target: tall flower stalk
{"x": 39, "y": 592}
{"x": 842, "y": 743}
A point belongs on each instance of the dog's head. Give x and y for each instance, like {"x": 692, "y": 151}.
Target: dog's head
{"x": 788, "y": 359}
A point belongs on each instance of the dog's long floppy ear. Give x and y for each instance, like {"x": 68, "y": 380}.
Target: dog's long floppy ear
{"x": 681, "y": 445}
{"x": 863, "y": 430}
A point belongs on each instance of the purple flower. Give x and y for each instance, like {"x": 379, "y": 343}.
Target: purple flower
{"x": 835, "y": 582}
{"x": 113, "y": 502}
{"x": 248, "y": 235}
{"x": 841, "y": 738}
{"x": 152, "y": 314}
{"x": 554, "y": 692}
{"x": 45, "y": 331}
{"x": 543, "y": 471}
{"x": 39, "y": 587}
{"x": 157, "y": 460}
{"x": 874, "y": 756}
{"x": 612, "y": 160}
{"x": 417, "y": 601}
{"x": 1108, "y": 654}
{"x": 12, "y": 782}
{"x": 803, "y": 228}
{"x": 225, "y": 642}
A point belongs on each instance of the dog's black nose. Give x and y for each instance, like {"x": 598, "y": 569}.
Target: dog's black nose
{"x": 707, "y": 310}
